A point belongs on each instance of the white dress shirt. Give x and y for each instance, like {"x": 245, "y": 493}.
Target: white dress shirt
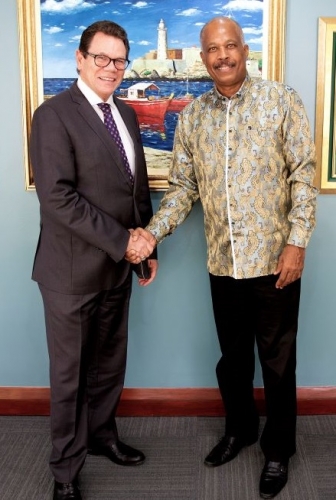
{"x": 94, "y": 100}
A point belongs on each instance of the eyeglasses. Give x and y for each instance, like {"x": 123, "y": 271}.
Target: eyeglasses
{"x": 103, "y": 61}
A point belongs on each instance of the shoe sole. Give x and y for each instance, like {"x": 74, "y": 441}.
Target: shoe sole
{"x": 209, "y": 464}
{"x": 267, "y": 496}
{"x": 124, "y": 464}
{"x": 248, "y": 443}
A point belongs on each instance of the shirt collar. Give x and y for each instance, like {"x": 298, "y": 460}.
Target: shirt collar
{"x": 91, "y": 96}
{"x": 241, "y": 92}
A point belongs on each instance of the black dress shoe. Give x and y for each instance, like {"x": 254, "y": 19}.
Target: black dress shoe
{"x": 273, "y": 478}
{"x": 120, "y": 453}
{"x": 227, "y": 449}
{"x": 66, "y": 491}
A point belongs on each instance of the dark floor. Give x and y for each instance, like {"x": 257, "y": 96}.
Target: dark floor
{"x": 175, "y": 448}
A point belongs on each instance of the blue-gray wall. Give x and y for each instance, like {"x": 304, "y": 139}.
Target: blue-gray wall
{"x": 172, "y": 335}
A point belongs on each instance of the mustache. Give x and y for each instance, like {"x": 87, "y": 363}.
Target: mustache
{"x": 224, "y": 63}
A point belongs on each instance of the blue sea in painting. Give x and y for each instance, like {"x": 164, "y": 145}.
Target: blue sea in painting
{"x": 157, "y": 137}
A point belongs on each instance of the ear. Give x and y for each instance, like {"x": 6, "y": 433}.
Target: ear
{"x": 79, "y": 58}
{"x": 246, "y": 50}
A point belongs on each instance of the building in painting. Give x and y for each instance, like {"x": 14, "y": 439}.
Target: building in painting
{"x": 165, "y": 62}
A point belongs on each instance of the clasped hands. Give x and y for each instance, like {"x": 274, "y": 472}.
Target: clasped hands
{"x": 140, "y": 245}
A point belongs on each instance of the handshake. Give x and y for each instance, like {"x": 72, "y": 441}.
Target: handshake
{"x": 141, "y": 244}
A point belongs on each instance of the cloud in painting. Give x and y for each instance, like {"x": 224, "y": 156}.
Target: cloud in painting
{"x": 53, "y": 29}
{"x": 75, "y": 39}
{"x": 255, "y": 40}
{"x": 140, "y": 5}
{"x": 66, "y": 6}
{"x": 252, "y": 30}
{"x": 189, "y": 12}
{"x": 252, "y": 5}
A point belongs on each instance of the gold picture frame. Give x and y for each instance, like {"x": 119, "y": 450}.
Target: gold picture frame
{"x": 325, "y": 122}
{"x": 30, "y": 46}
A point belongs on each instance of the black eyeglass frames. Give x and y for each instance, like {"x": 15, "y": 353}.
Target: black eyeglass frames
{"x": 102, "y": 61}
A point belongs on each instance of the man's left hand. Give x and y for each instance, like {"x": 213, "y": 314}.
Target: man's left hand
{"x": 153, "y": 267}
{"x": 290, "y": 265}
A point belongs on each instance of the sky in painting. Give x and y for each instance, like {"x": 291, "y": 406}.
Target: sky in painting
{"x": 62, "y": 22}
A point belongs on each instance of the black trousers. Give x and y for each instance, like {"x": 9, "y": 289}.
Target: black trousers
{"x": 246, "y": 311}
{"x": 87, "y": 344}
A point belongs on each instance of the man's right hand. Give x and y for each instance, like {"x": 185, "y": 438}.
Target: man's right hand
{"x": 140, "y": 245}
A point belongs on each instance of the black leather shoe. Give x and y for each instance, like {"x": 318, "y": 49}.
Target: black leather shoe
{"x": 66, "y": 491}
{"x": 120, "y": 453}
{"x": 226, "y": 450}
{"x": 273, "y": 478}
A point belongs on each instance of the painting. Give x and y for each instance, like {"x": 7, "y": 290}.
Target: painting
{"x": 325, "y": 123}
{"x": 165, "y": 68}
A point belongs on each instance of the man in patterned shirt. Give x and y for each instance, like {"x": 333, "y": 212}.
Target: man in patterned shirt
{"x": 244, "y": 149}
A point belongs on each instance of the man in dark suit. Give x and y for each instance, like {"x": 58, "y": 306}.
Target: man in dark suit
{"x": 91, "y": 197}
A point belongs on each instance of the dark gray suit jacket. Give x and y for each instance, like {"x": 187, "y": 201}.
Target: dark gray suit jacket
{"x": 87, "y": 201}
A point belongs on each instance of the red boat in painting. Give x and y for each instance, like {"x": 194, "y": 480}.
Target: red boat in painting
{"x": 178, "y": 103}
{"x": 149, "y": 108}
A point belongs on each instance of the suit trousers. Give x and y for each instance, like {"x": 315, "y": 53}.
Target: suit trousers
{"x": 248, "y": 311}
{"x": 87, "y": 344}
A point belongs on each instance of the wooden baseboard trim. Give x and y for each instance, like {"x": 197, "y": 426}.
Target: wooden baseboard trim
{"x": 165, "y": 402}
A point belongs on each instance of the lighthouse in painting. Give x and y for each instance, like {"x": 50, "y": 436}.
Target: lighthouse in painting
{"x": 173, "y": 62}
{"x": 162, "y": 41}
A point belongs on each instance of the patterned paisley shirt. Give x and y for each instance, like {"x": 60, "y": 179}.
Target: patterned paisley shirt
{"x": 250, "y": 159}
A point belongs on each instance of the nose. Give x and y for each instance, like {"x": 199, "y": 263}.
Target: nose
{"x": 222, "y": 53}
{"x": 110, "y": 65}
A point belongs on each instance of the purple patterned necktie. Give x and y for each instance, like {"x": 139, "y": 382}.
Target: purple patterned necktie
{"x": 112, "y": 128}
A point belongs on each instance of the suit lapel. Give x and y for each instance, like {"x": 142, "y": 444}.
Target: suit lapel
{"x": 127, "y": 115}
{"x": 90, "y": 116}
